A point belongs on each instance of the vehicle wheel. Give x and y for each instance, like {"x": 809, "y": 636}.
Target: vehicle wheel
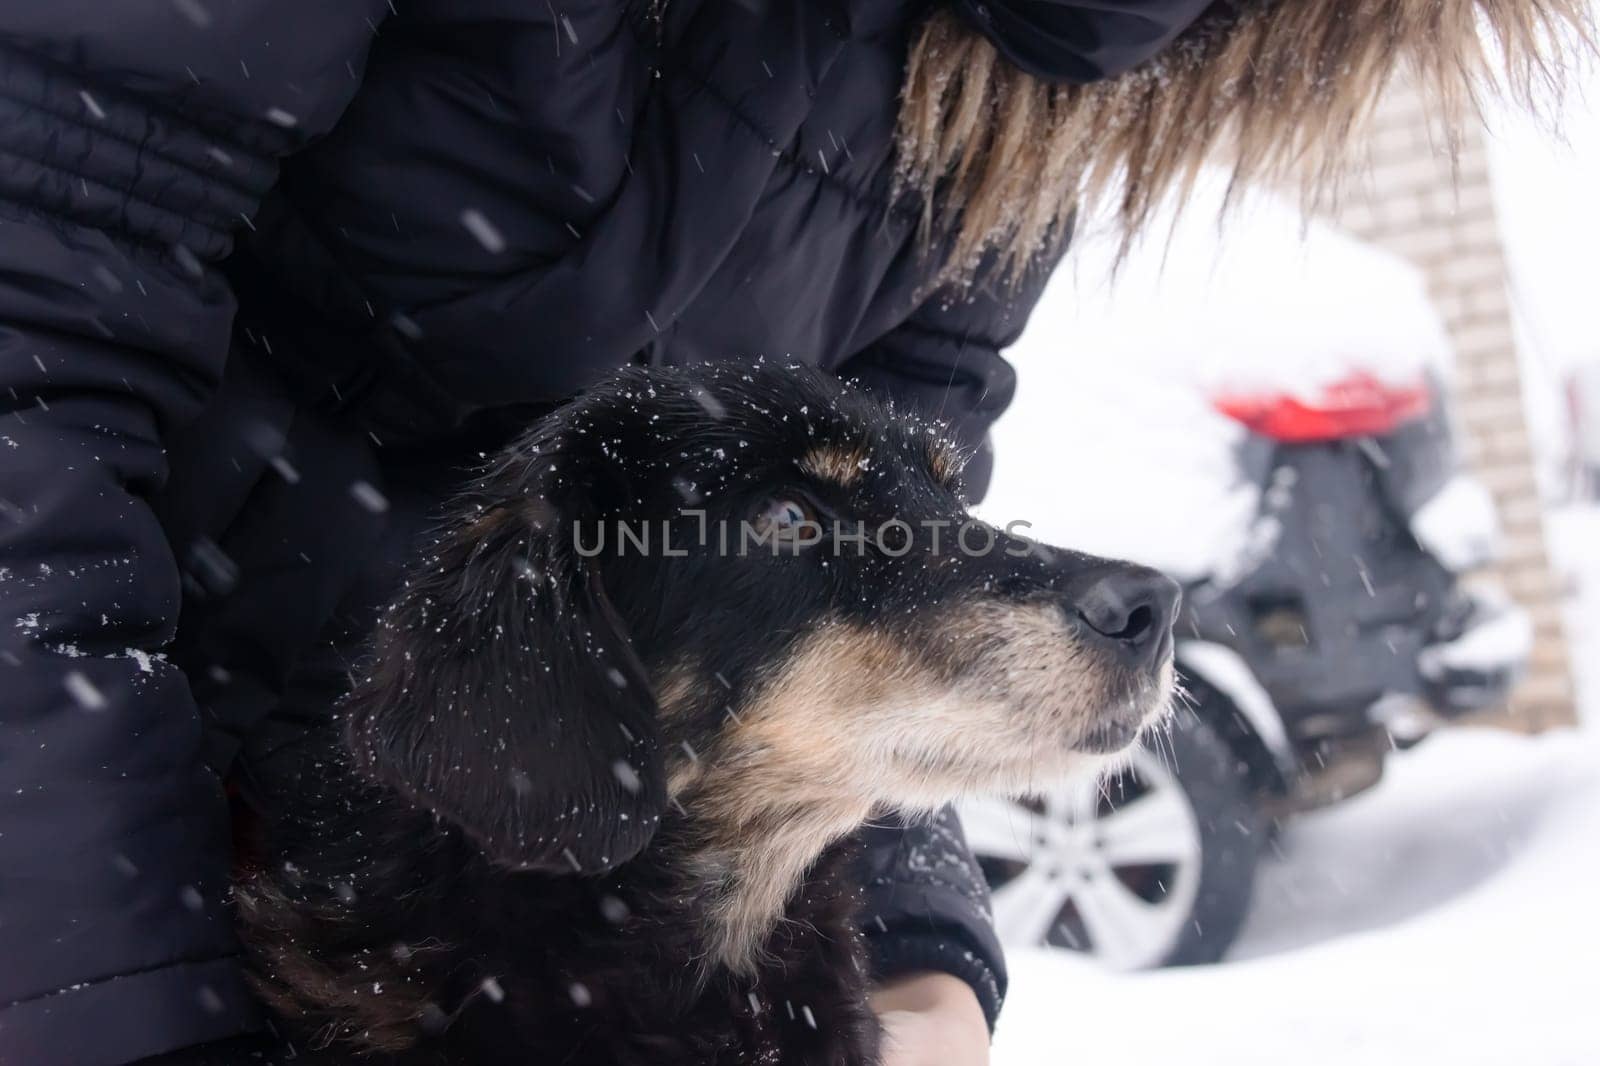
{"x": 1145, "y": 868}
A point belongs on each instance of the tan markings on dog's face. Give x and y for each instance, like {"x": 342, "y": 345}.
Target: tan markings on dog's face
{"x": 945, "y": 460}
{"x": 679, "y": 692}
{"x": 678, "y": 689}
{"x": 841, "y": 464}
{"x": 995, "y": 700}
{"x": 675, "y": 689}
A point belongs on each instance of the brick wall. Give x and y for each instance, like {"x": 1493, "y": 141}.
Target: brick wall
{"x": 1440, "y": 214}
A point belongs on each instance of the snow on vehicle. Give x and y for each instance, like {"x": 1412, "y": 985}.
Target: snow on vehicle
{"x": 1297, "y": 474}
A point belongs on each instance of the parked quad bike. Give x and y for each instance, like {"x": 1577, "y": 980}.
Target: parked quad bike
{"x": 1342, "y": 630}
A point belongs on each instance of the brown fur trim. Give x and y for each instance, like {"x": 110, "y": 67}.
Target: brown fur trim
{"x": 1280, "y": 90}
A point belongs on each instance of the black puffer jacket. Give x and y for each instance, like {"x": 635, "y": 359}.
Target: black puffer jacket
{"x": 267, "y": 268}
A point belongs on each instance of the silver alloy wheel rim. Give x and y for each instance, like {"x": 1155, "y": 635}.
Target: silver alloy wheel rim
{"x": 1073, "y": 853}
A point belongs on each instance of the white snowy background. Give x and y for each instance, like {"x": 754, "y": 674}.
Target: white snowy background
{"x": 1452, "y": 914}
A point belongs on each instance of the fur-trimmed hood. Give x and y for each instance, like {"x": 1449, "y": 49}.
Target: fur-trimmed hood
{"x": 1280, "y": 90}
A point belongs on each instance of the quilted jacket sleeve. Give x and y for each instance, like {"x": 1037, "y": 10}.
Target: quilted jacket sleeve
{"x": 928, "y": 906}
{"x": 135, "y": 140}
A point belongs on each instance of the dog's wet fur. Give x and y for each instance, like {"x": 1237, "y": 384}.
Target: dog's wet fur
{"x": 599, "y": 810}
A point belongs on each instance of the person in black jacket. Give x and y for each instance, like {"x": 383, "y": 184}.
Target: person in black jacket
{"x": 274, "y": 274}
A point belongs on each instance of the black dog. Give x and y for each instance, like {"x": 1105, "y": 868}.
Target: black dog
{"x": 595, "y": 793}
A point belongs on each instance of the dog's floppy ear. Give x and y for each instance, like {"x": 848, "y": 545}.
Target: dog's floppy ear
{"x": 503, "y": 693}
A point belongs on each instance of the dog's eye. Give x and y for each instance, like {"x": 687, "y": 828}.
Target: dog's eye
{"x": 784, "y": 516}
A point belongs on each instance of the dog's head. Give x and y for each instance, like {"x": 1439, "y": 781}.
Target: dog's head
{"x": 756, "y": 577}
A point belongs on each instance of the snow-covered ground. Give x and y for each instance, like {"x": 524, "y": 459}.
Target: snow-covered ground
{"x": 1450, "y": 915}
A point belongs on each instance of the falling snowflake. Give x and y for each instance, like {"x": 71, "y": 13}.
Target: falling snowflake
{"x": 627, "y": 776}
{"x": 83, "y": 691}
{"x": 194, "y": 11}
{"x": 483, "y": 231}
{"x": 368, "y": 496}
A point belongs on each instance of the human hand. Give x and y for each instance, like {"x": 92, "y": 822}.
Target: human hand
{"x": 931, "y": 1019}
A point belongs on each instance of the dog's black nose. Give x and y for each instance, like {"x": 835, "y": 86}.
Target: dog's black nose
{"x": 1134, "y": 608}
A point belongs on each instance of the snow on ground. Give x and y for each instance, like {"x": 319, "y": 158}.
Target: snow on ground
{"x": 1448, "y": 916}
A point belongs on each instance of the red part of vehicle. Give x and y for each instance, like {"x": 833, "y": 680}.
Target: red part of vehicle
{"x": 1357, "y": 405}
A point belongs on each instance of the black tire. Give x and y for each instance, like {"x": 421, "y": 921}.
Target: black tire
{"x": 1233, "y": 832}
